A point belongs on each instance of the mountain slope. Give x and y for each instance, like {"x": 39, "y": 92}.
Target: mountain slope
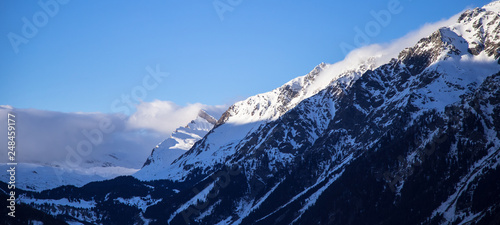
{"x": 247, "y": 117}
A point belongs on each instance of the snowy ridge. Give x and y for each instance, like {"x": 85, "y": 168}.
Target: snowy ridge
{"x": 271, "y": 105}
{"x": 181, "y": 140}
{"x": 244, "y": 118}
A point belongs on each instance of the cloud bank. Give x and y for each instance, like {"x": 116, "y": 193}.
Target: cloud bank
{"x": 53, "y": 138}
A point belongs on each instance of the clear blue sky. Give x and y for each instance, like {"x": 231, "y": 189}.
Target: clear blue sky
{"x": 91, "y": 52}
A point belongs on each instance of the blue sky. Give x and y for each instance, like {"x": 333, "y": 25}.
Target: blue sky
{"x": 89, "y": 54}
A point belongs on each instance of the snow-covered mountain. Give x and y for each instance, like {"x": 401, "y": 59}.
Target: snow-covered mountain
{"x": 413, "y": 141}
{"x": 248, "y": 116}
{"x": 181, "y": 140}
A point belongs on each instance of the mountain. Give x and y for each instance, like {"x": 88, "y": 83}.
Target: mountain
{"x": 181, "y": 140}
{"x": 248, "y": 116}
{"x": 415, "y": 140}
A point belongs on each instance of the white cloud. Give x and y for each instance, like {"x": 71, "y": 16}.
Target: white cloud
{"x": 391, "y": 50}
{"x": 162, "y": 116}
{"x": 45, "y": 137}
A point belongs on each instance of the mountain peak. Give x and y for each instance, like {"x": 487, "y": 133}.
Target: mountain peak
{"x": 179, "y": 142}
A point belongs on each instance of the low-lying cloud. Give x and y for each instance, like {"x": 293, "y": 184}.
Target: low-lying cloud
{"x": 51, "y": 138}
